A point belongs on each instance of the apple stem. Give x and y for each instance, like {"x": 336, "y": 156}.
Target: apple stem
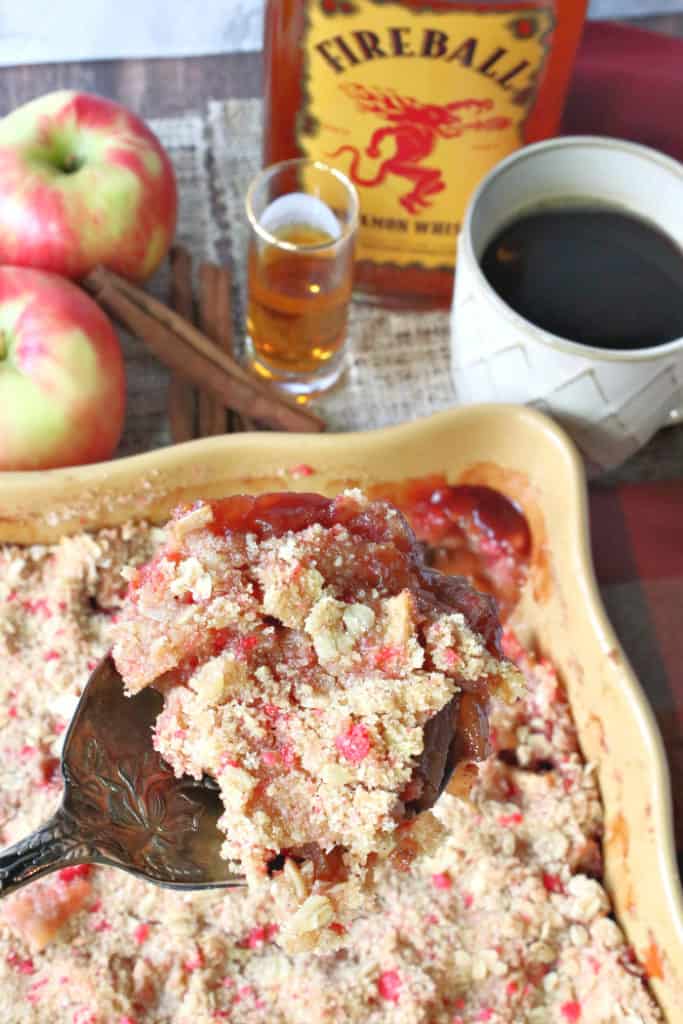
{"x": 3, "y": 345}
{"x": 70, "y": 164}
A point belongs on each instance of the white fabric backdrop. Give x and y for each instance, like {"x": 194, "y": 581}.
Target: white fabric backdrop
{"x": 39, "y": 31}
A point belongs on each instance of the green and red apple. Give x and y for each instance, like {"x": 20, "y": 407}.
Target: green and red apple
{"x": 83, "y": 182}
{"x": 62, "y": 384}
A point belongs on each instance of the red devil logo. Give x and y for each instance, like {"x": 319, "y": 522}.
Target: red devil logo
{"x": 415, "y": 128}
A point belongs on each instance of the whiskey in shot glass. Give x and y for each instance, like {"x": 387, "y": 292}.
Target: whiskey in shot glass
{"x": 302, "y": 218}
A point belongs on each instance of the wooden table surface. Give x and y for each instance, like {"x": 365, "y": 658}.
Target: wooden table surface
{"x": 166, "y": 87}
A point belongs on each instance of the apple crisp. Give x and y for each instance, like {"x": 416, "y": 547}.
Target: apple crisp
{"x": 505, "y": 922}
{"x": 305, "y": 651}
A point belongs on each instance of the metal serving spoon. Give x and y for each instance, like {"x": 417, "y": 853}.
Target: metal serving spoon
{"x": 123, "y": 806}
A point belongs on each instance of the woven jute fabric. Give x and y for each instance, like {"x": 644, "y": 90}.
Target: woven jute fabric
{"x": 398, "y": 363}
{"x": 186, "y": 140}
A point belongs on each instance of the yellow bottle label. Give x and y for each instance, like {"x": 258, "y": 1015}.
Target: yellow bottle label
{"x": 415, "y": 106}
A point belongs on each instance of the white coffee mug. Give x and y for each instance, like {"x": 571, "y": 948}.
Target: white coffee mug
{"x": 611, "y": 402}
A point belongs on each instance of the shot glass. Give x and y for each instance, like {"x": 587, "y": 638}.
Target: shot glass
{"x": 303, "y": 217}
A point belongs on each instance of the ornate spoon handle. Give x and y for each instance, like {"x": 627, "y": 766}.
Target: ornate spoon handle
{"x": 54, "y": 845}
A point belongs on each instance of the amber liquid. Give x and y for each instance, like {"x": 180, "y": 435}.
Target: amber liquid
{"x": 285, "y": 82}
{"x": 298, "y": 302}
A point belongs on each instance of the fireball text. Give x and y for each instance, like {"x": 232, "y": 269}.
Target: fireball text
{"x": 342, "y": 52}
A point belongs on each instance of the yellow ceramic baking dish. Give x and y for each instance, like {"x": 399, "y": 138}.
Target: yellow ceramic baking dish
{"x": 522, "y": 454}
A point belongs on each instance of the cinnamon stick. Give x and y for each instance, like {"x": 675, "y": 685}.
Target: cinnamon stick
{"x": 181, "y": 394}
{"x": 215, "y": 320}
{"x": 185, "y": 350}
{"x": 221, "y": 279}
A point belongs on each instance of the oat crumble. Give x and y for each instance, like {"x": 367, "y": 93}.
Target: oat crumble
{"x": 302, "y": 647}
{"x": 506, "y": 922}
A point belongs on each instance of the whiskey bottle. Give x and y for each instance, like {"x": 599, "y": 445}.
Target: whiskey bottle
{"x": 415, "y": 100}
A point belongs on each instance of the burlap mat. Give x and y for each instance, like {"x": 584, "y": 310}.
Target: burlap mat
{"x": 398, "y": 367}
{"x": 146, "y": 423}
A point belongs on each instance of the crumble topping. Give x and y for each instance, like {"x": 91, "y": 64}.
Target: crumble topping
{"x": 302, "y": 647}
{"x": 497, "y": 925}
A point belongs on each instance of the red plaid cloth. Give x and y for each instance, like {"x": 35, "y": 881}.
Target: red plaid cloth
{"x": 628, "y": 83}
{"x": 637, "y": 533}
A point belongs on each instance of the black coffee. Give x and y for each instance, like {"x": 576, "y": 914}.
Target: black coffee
{"x": 594, "y": 275}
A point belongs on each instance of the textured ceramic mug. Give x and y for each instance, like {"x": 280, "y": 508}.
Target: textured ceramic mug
{"x": 610, "y": 401}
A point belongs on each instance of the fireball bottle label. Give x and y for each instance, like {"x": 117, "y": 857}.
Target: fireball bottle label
{"x": 416, "y": 106}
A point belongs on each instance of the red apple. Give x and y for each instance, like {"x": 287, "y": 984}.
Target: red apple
{"x": 62, "y": 383}
{"x": 83, "y": 181}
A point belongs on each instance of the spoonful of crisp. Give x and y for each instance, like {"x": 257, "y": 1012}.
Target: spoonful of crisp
{"x": 311, "y": 686}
